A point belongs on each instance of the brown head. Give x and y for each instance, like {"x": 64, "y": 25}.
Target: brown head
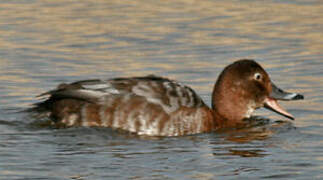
{"x": 242, "y": 87}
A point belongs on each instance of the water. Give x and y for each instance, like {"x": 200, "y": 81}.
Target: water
{"x": 44, "y": 43}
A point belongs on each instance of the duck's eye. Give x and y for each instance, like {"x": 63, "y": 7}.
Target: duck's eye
{"x": 257, "y": 76}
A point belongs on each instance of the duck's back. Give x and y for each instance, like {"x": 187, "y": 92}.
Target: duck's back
{"x": 145, "y": 105}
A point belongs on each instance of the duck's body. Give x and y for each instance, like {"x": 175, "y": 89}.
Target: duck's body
{"x": 145, "y": 105}
{"x": 157, "y": 106}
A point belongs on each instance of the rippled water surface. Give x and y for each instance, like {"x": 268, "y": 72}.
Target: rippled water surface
{"x": 44, "y": 43}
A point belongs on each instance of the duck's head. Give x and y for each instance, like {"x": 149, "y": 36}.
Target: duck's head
{"x": 244, "y": 86}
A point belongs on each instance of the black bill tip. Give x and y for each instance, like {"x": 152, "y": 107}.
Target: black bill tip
{"x": 298, "y": 97}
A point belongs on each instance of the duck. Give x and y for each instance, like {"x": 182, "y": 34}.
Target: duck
{"x": 157, "y": 106}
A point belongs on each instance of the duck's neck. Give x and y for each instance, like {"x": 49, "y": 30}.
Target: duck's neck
{"x": 229, "y": 107}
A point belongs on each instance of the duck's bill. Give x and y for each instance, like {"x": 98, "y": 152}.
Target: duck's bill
{"x": 279, "y": 94}
{"x": 273, "y": 105}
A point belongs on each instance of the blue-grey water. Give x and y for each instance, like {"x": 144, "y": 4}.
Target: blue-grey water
{"x": 44, "y": 43}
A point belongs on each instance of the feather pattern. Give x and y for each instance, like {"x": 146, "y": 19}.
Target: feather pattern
{"x": 147, "y": 105}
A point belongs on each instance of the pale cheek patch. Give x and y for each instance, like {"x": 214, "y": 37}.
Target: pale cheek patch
{"x": 250, "y": 109}
{"x": 249, "y": 112}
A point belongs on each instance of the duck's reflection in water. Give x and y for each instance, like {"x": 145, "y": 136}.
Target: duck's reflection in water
{"x": 251, "y": 140}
